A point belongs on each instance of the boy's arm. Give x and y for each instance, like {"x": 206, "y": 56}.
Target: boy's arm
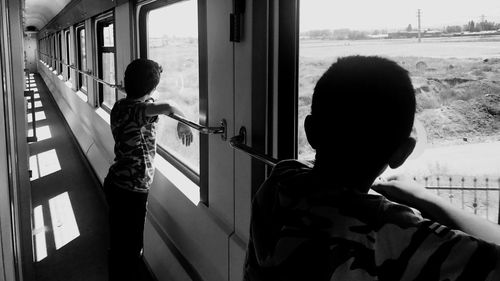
{"x": 161, "y": 107}
{"x": 417, "y": 196}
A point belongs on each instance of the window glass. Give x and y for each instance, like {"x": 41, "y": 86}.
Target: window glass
{"x": 53, "y": 51}
{"x": 68, "y": 40}
{"x": 59, "y": 52}
{"x": 108, "y": 66}
{"x": 108, "y": 37}
{"x": 173, "y": 43}
{"x": 82, "y": 59}
{"x": 454, "y": 67}
{"x": 106, "y": 53}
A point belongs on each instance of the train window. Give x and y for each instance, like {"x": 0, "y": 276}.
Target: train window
{"x": 81, "y": 60}
{"x": 106, "y": 60}
{"x": 169, "y": 36}
{"x": 454, "y": 71}
{"x": 59, "y": 52}
{"x": 67, "y": 37}
{"x": 52, "y": 53}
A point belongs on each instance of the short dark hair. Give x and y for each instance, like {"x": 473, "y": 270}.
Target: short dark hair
{"x": 141, "y": 77}
{"x": 368, "y": 102}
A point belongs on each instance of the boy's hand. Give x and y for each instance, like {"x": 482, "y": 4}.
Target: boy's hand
{"x": 184, "y": 133}
{"x": 404, "y": 191}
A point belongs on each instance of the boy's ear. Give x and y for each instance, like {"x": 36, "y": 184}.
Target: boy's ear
{"x": 402, "y": 152}
{"x": 311, "y": 133}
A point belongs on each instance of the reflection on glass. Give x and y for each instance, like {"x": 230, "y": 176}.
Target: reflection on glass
{"x": 173, "y": 43}
{"x": 455, "y": 78}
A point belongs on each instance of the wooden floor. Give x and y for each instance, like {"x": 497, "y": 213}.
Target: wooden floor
{"x": 65, "y": 192}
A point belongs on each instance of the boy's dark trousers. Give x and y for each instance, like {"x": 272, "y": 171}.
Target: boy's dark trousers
{"x": 127, "y": 212}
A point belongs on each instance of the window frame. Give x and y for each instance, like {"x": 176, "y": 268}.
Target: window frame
{"x": 52, "y": 52}
{"x": 80, "y": 77}
{"x": 59, "y": 52}
{"x": 101, "y": 21}
{"x": 284, "y": 67}
{"x": 67, "y": 40}
{"x": 200, "y": 179}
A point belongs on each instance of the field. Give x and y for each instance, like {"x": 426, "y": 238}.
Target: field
{"x": 179, "y": 85}
{"x": 457, "y": 86}
{"x": 457, "y": 83}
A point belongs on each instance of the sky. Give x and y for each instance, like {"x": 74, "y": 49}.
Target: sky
{"x": 393, "y": 14}
{"x": 180, "y": 19}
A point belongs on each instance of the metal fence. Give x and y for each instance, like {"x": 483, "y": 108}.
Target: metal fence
{"x": 478, "y": 195}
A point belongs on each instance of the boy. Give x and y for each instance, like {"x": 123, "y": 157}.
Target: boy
{"x": 320, "y": 223}
{"x": 133, "y": 124}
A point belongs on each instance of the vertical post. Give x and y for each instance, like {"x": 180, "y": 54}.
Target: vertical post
{"x": 419, "y": 16}
{"x": 498, "y": 188}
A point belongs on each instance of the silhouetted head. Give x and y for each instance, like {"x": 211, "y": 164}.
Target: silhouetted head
{"x": 361, "y": 117}
{"x": 141, "y": 77}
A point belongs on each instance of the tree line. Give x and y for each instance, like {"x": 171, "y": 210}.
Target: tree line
{"x": 349, "y": 34}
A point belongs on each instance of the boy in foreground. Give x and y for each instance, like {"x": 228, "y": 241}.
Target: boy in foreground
{"x": 320, "y": 223}
{"x": 133, "y": 124}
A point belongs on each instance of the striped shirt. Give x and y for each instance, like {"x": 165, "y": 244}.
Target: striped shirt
{"x": 135, "y": 145}
{"x": 302, "y": 229}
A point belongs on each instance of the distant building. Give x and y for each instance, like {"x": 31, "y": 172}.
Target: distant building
{"x": 402, "y": 34}
{"x": 414, "y": 34}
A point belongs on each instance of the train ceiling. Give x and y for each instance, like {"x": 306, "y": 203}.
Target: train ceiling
{"x": 38, "y": 13}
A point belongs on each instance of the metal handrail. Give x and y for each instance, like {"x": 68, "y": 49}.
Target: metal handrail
{"x": 88, "y": 73}
{"x": 239, "y": 142}
{"x": 221, "y": 130}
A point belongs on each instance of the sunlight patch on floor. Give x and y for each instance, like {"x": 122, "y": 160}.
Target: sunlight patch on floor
{"x": 64, "y": 223}
{"x": 38, "y": 104}
{"x": 39, "y": 116}
{"x": 43, "y": 164}
{"x": 42, "y": 133}
{"x": 39, "y": 234}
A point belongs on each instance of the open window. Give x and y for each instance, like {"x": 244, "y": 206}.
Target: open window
{"x": 456, "y": 81}
{"x": 106, "y": 60}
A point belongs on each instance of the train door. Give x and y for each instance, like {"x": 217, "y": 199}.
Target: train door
{"x": 30, "y": 46}
{"x": 7, "y": 262}
{"x": 191, "y": 204}
{"x": 15, "y": 201}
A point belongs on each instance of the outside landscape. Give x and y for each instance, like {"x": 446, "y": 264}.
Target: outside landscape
{"x": 455, "y": 70}
{"x": 454, "y": 67}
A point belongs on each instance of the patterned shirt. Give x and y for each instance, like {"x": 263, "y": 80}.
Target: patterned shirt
{"x": 302, "y": 229}
{"x": 135, "y": 145}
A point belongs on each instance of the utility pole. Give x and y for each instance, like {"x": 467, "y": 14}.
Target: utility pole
{"x": 419, "y": 14}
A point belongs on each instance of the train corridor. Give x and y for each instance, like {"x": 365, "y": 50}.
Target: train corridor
{"x": 70, "y": 229}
